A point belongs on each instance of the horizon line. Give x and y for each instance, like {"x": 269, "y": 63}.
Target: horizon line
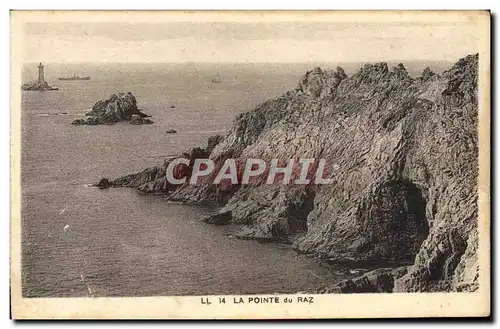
{"x": 260, "y": 62}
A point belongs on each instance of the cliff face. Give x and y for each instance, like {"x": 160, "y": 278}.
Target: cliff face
{"x": 119, "y": 107}
{"x": 402, "y": 153}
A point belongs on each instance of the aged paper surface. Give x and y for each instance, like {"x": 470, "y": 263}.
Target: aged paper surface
{"x": 398, "y": 226}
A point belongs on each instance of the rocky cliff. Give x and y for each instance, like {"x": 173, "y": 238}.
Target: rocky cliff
{"x": 117, "y": 108}
{"x": 402, "y": 152}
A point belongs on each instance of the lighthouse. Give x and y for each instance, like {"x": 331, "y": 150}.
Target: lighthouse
{"x": 40, "y": 84}
{"x": 41, "y": 76}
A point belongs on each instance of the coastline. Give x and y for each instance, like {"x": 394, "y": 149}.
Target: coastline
{"x": 321, "y": 95}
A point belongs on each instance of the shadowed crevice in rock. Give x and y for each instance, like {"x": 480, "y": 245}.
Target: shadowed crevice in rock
{"x": 274, "y": 214}
{"x": 299, "y": 211}
{"x": 440, "y": 272}
{"x": 394, "y": 218}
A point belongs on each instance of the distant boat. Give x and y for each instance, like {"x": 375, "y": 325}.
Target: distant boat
{"x": 216, "y": 79}
{"x": 75, "y": 77}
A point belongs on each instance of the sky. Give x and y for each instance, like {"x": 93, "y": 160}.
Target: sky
{"x": 258, "y": 41}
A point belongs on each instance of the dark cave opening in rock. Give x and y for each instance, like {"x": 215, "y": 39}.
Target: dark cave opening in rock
{"x": 397, "y": 222}
{"x": 299, "y": 210}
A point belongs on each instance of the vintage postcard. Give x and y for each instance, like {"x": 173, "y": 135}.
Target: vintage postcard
{"x": 250, "y": 165}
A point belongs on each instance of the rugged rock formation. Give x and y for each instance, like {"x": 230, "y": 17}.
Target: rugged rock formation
{"x": 153, "y": 180}
{"x": 103, "y": 183}
{"x": 402, "y": 153}
{"x": 119, "y": 107}
{"x": 427, "y": 74}
{"x": 139, "y": 120}
{"x": 38, "y": 86}
{"x": 379, "y": 280}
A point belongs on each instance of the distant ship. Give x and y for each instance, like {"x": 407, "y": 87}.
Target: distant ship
{"x": 216, "y": 79}
{"x": 75, "y": 77}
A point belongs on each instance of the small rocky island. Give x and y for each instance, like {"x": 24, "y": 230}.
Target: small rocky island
{"x": 40, "y": 84}
{"x": 119, "y": 107}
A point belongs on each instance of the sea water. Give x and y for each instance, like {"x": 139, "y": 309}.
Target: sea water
{"x": 79, "y": 241}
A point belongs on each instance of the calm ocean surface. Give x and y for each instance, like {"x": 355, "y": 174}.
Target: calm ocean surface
{"x": 121, "y": 243}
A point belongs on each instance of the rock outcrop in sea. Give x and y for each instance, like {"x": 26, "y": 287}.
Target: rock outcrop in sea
{"x": 119, "y": 107}
{"x": 403, "y": 156}
{"x": 38, "y": 86}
